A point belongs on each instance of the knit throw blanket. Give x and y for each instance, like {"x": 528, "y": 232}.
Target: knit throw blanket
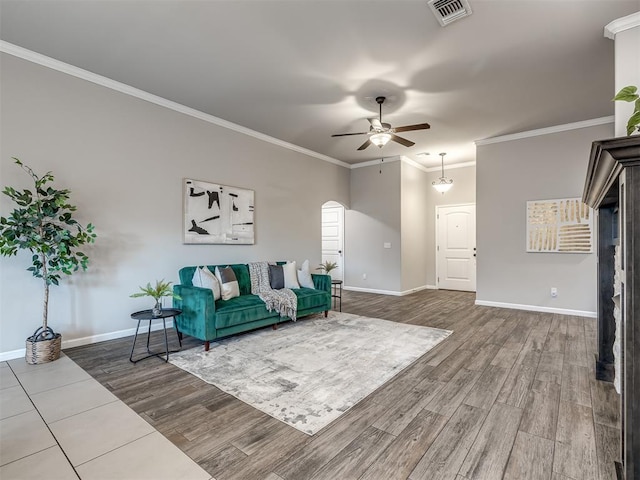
{"x": 283, "y": 301}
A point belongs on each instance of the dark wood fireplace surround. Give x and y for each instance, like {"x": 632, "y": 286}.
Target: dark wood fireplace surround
{"x": 612, "y": 188}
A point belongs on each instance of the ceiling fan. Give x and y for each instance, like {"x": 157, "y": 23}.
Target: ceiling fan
{"x": 380, "y": 133}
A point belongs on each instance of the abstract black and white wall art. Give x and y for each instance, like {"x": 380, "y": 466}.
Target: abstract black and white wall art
{"x": 217, "y": 214}
{"x": 559, "y": 226}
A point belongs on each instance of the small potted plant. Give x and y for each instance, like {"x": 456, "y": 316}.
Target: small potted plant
{"x": 630, "y": 94}
{"x": 327, "y": 266}
{"x": 161, "y": 289}
{"x": 43, "y": 224}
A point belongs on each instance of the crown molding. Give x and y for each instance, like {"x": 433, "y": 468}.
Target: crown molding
{"x": 436, "y": 169}
{"x": 621, "y": 24}
{"x": 88, "y": 76}
{"x": 546, "y": 131}
{"x": 413, "y": 163}
{"x": 450, "y": 167}
{"x": 375, "y": 162}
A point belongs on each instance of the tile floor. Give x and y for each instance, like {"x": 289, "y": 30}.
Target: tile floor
{"x": 57, "y": 422}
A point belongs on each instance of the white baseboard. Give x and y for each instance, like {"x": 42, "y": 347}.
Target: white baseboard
{"x": 77, "y": 342}
{"x": 10, "y": 355}
{"x": 418, "y": 289}
{"x": 536, "y": 308}
{"x": 394, "y": 293}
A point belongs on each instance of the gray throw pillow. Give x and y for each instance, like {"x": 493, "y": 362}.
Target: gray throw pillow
{"x": 276, "y": 277}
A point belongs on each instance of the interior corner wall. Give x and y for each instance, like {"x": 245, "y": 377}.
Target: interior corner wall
{"x": 627, "y": 72}
{"x": 414, "y": 230}
{"x": 462, "y": 192}
{"x": 124, "y": 160}
{"x": 372, "y": 221}
{"x": 508, "y": 175}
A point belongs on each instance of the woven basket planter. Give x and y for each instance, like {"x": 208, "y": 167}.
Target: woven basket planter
{"x": 43, "y": 346}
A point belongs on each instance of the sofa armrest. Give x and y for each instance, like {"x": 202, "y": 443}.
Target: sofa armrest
{"x": 198, "y": 311}
{"x": 322, "y": 282}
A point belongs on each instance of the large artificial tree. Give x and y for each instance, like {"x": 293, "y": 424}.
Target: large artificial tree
{"x": 43, "y": 224}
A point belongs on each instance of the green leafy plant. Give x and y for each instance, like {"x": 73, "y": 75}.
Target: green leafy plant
{"x": 630, "y": 94}
{"x": 43, "y": 223}
{"x": 327, "y": 266}
{"x": 161, "y": 289}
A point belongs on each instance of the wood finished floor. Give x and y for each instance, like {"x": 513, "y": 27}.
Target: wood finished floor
{"x": 510, "y": 394}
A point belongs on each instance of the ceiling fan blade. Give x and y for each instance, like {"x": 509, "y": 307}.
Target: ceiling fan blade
{"x": 402, "y": 141}
{"x": 408, "y": 128}
{"x": 375, "y": 123}
{"x": 364, "y": 145}
{"x": 347, "y": 134}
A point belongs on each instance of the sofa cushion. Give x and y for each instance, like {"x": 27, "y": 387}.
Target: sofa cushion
{"x": 309, "y": 298}
{"x": 239, "y": 310}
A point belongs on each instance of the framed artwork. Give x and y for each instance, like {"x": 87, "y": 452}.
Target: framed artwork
{"x": 217, "y": 214}
{"x": 559, "y": 226}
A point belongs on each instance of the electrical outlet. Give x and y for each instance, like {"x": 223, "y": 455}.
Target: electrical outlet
{"x": 364, "y": 276}
{"x": 554, "y": 292}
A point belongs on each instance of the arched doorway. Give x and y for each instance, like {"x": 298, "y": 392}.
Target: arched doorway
{"x": 333, "y": 237}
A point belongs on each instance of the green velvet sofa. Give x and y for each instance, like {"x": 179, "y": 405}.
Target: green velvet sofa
{"x": 207, "y": 320}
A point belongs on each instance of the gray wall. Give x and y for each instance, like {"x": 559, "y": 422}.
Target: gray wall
{"x": 415, "y": 195}
{"x": 509, "y": 174}
{"x": 397, "y": 206}
{"x": 124, "y": 160}
{"x": 374, "y": 218}
{"x": 463, "y": 191}
{"x": 627, "y": 72}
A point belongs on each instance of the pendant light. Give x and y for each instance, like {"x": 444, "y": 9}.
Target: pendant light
{"x": 443, "y": 184}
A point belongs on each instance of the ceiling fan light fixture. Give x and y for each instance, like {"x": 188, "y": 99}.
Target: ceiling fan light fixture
{"x": 443, "y": 184}
{"x": 380, "y": 139}
{"x": 381, "y": 133}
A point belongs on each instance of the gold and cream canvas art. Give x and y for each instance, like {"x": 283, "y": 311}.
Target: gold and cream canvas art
{"x": 559, "y": 226}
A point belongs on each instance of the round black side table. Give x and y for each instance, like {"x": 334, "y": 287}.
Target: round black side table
{"x": 148, "y": 315}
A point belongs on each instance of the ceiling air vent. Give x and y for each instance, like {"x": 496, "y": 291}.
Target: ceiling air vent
{"x": 447, "y": 11}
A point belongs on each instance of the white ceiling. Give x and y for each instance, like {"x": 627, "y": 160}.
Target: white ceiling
{"x": 301, "y": 70}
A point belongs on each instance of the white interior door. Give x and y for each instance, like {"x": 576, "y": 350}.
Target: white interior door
{"x": 456, "y": 247}
{"x": 333, "y": 238}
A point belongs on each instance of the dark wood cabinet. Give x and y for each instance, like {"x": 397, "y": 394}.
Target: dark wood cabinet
{"x": 612, "y": 188}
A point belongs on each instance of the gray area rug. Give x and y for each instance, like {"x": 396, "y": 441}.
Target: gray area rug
{"x": 310, "y": 372}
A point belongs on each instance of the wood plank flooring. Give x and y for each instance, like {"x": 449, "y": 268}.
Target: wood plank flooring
{"x": 510, "y": 394}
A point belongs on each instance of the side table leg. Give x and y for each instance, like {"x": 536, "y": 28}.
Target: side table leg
{"x": 166, "y": 342}
{"x": 135, "y": 337}
{"x": 149, "y": 337}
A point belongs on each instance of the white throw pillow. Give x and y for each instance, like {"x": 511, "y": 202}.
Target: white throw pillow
{"x": 229, "y": 287}
{"x": 290, "y": 275}
{"x": 203, "y": 278}
{"x": 304, "y": 276}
